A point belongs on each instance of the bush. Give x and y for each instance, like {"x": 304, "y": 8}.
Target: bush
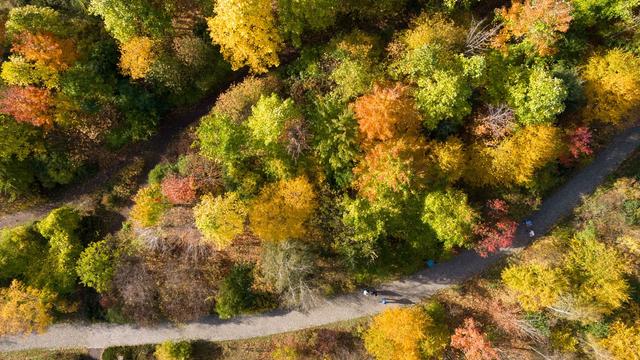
{"x": 97, "y": 263}
{"x": 220, "y": 219}
{"x": 235, "y": 295}
{"x": 179, "y": 191}
{"x": 149, "y": 206}
{"x": 170, "y": 350}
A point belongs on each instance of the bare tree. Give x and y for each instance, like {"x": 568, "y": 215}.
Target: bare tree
{"x": 296, "y": 138}
{"x": 288, "y": 267}
{"x": 494, "y": 124}
{"x": 136, "y": 290}
{"x": 480, "y": 36}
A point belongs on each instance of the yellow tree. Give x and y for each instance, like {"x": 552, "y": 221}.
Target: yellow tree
{"x": 136, "y": 57}
{"x": 247, "y": 33}
{"x": 623, "y": 341}
{"x": 405, "y": 333}
{"x": 516, "y": 159}
{"x": 220, "y": 219}
{"x": 612, "y": 86}
{"x": 447, "y": 160}
{"x": 23, "y": 309}
{"x": 386, "y": 113}
{"x": 535, "y": 285}
{"x": 281, "y": 209}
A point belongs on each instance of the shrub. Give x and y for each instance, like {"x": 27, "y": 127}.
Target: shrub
{"x": 170, "y": 350}
{"x": 473, "y": 342}
{"x": 19, "y": 247}
{"x": 220, "y": 219}
{"x": 149, "y": 206}
{"x": 177, "y": 190}
{"x": 235, "y": 295}
{"x": 97, "y": 263}
{"x": 24, "y": 309}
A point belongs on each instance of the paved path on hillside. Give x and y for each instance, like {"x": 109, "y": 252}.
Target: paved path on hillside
{"x": 410, "y": 289}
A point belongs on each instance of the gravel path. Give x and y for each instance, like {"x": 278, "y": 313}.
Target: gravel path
{"x": 406, "y": 291}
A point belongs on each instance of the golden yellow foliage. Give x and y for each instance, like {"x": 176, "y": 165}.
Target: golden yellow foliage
{"x": 535, "y": 285}
{"x": 612, "y": 86}
{"x": 149, "y": 206}
{"x": 281, "y": 209}
{"x": 247, "y": 33}
{"x": 447, "y": 159}
{"x": 136, "y": 57}
{"x": 220, "y": 219}
{"x": 386, "y": 113}
{"x": 23, "y": 309}
{"x": 515, "y": 160}
{"x": 403, "y": 333}
{"x": 429, "y": 29}
{"x": 623, "y": 341}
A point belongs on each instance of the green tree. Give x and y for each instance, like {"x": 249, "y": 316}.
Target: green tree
{"x": 170, "y": 350}
{"x": 450, "y": 216}
{"x": 61, "y": 228}
{"x": 19, "y": 247}
{"x": 235, "y": 295}
{"x": 221, "y": 218}
{"x": 297, "y": 16}
{"x": 538, "y": 99}
{"x": 31, "y": 18}
{"x": 268, "y": 120}
{"x": 97, "y": 264}
{"x": 126, "y": 19}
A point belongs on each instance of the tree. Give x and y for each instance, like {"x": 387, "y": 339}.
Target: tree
{"x": 538, "y": 99}
{"x": 450, "y": 216}
{"x": 516, "y": 159}
{"x": 473, "y": 342}
{"x": 447, "y": 161}
{"x": 170, "y": 350}
{"x": 33, "y": 19}
{"x": 433, "y": 29}
{"x": 623, "y": 341}
{"x": 30, "y": 105}
{"x": 589, "y": 12}
{"x": 149, "y": 205}
{"x": 237, "y": 101}
{"x": 127, "y": 19}
{"x": 221, "y": 218}
{"x": 596, "y": 274}
{"x": 247, "y": 34}
{"x": 579, "y": 143}
{"x": 178, "y": 190}
{"x": 24, "y": 309}
{"x": 235, "y": 295}
{"x": 281, "y": 210}
{"x": 536, "y": 286}
{"x": 269, "y": 119}
{"x": 61, "y": 228}
{"x": 405, "y": 333}
{"x": 392, "y": 167}
{"x": 497, "y": 231}
{"x": 137, "y": 56}
{"x": 538, "y": 22}
{"x": 97, "y": 264}
{"x": 612, "y": 86}
{"x": 287, "y": 267}
{"x": 19, "y": 246}
{"x": 297, "y": 16}
{"x": 45, "y": 50}
{"x": 387, "y": 113}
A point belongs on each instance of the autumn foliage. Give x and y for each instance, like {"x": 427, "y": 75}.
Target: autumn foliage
{"x": 386, "y": 113}
{"x": 178, "y": 190}
{"x": 136, "y": 57}
{"x": 472, "y": 342}
{"x": 28, "y": 104}
{"x": 539, "y": 22}
{"x": 23, "y": 309}
{"x": 497, "y": 231}
{"x": 46, "y": 49}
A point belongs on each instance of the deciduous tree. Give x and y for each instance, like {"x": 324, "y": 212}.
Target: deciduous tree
{"x": 24, "y": 309}
{"x": 536, "y": 285}
{"x": 235, "y": 295}
{"x": 297, "y": 16}
{"x": 149, "y": 206}
{"x": 221, "y": 218}
{"x": 97, "y": 264}
{"x": 178, "y": 190}
{"x": 612, "y": 86}
{"x": 46, "y": 50}
{"x": 281, "y": 210}
{"x": 28, "y": 104}
{"x": 623, "y": 341}
{"x": 473, "y": 342}
{"x": 539, "y": 22}
{"x": 450, "y": 216}
{"x": 137, "y": 56}
{"x": 247, "y": 34}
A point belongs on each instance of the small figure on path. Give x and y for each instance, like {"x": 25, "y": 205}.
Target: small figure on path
{"x": 365, "y": 292}
{"x": 374, "y": 292}
{"x": 383, "y": 301}
{"x": 430, "y": 263}
{"x": 528, "y": 223}
{"x": 531, "y": 233}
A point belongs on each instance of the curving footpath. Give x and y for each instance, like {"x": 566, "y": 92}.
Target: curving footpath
{"x": 405, "y": 291}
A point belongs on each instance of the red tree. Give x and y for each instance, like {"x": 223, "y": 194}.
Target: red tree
{"x": 178, "y": 190}
{"x": 579, "y": 143}
{"x": 28, "y": 104}
{"x": 472, "y": 342}
{"x": 498, "y": 231}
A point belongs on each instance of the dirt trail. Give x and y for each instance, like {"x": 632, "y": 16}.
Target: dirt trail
{"x": 405, "y": 291}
